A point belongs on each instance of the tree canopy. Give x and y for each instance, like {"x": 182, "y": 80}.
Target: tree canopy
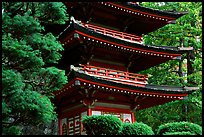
{"x": 28, "y": 57}
{"x": 30, "y": 53}
{"x": 187, "y": 71}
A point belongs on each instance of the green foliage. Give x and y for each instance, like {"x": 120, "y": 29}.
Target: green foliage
{"x": 180, "y": 110}
{"x": 52, "y": 12}
{"x": 190, "y": 23}
{"x": 178, "y": 133}
{"x": 13, "y": 130}
{"x": 136, "y": 129}
{"x": 18, "y": 55}
{"x": 163, "y": 74}
{"x": 52, "y": 80}
{"x": 186, "y": 32}
{"x": 11, "y": 81}
{"x": 175, "y": 127}
{"x": 111, "y": 125}
{"x": 45, "y": 12}
{"x": 102, "y": 125}
{"x": 28, "y": 55}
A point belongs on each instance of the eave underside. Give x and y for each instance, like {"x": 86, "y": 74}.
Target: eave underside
{"x": 85, "y": 46}
{"x": 82, "y": 86}
{"x": 134, "y": 20}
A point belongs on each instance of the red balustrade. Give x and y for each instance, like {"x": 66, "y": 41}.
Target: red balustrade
{"x": 134, "y": 3}
{"x": 114, "y": 33}
{"x": 115, "y": 75}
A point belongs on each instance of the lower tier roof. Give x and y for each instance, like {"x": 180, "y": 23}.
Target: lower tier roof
{"x": 105, "y": 90}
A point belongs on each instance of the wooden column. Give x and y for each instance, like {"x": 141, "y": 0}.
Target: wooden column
{"x": 60, "y": 126}
{"x": 133, "y": 117}
{"x": 89, "y": 113}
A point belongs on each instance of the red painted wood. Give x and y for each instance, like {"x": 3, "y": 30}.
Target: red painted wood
{"x": 133, "y": 117}
{"x": 120, "y": 45}
{"x": 122, "y": 73}
{"x": 64, "y": 87}
{"x": 130, "y": 90}
{"x": 112, "y": 74}
{"x": 108, "y": 66}
{"x": 134, "y": 3}
{"x": 113, "y": 33}
{"x": 73, "y": 112}
{"x": 89, "y": 112}
{"x": 70, "y": 35}
{"x": 60, "y": 126}
{"x": 116, "y": 110}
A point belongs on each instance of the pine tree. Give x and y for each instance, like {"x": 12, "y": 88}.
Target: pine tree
{"x": 29, "y": 54}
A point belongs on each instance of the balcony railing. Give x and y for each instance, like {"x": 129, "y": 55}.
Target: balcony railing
{"x": 133, "y": 3}
{"x": 115, "y": 75}
{"x": 114, "y": 33}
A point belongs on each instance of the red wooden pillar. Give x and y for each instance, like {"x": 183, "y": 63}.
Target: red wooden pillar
{"x": 133, "y": 117}
{"x": 106, "y": 73}
{"x": 89, "y": 113}
{"x": 126, "y": 75}
{"x": 60, "y": 126}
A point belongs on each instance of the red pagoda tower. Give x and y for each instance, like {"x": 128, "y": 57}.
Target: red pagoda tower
{"x": 103, "y": 52}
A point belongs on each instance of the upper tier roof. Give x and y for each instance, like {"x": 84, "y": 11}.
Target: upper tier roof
{"x": 81, "y": 41}
{"x": 122, "y": 16}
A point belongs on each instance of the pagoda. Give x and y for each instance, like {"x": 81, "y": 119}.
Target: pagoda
{"x": 104, "y": 51}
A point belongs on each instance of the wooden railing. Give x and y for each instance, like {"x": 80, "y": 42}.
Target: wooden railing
{"x": 113, "y": 33}
{"x": 115, "y": 75}
{"x": 134, "y": 3}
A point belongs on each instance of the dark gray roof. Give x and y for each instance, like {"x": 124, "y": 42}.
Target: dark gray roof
{"x": 169, "y": 13}
{"x": 149, "y": 87}
{"x": 77, "y": 26}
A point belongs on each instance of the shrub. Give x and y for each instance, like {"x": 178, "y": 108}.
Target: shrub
{"x": 179, "y": 127}
{"x": 13, "y": 130}
{"x": 178, "y": 133}
{"x": 136, "y": 129}
{"x": 102, "y": 125}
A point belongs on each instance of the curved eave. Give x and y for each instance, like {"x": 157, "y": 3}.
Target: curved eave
{"x": 139, "y": 8}
{"x": 176, "y": 51}
{"x": 152, "y": 90}
{"x": 170, "y": 14}
{"x": 145, "y": 97}
{"x": 128, "y": 18}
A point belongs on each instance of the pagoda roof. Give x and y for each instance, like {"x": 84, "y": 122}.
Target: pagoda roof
{"x": 123, "y": 16}
{"x": 134, "y": 44}
{"x": 168, "y": 13}
{"x": 163, "y": 89}
{"x": 148, "y": 95}
{"x": 155, "y": 54}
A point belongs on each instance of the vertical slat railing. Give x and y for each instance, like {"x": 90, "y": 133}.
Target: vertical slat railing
{"x": 111, "y": 73}
{"x": 114, "y": 33}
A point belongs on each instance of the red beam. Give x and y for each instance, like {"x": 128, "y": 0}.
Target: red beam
{"x": 118, "y": 110}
